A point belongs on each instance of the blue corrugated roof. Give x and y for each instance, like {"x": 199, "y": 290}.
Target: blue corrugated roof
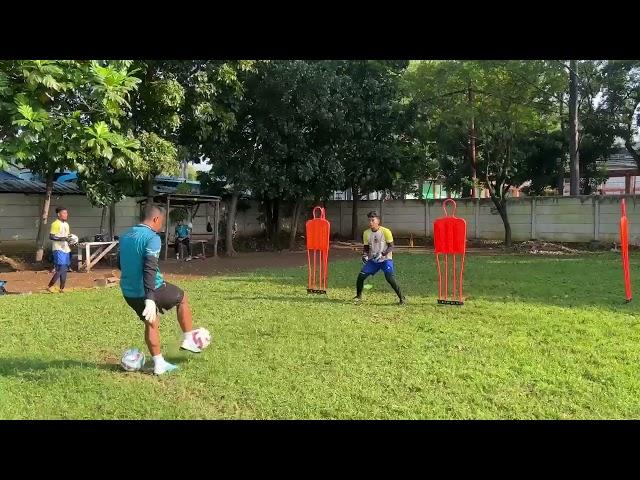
{"x": 169, "y": 178}
{"x": 17, "y": 185}
{"x": 8, "y": 176}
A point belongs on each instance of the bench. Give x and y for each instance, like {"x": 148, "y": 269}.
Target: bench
{"x": 91, "y": 259}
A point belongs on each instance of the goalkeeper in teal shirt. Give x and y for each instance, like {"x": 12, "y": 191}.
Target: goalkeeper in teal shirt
{"x": 145, "y": 290}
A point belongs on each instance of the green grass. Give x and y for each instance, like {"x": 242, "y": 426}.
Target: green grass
{"x": 539, "y": 338}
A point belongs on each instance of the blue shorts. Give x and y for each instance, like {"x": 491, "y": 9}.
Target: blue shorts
{"x": 371, "y": 267}
{"x": 61, "y": 258}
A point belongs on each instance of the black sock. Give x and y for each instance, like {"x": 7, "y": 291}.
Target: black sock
{"x": 63, "y": 276}
{"x": 56, "y": 276}
{"x": 391, "y": 279}
{"x": 360, "y": 283}
{"x": 54, "y": 279}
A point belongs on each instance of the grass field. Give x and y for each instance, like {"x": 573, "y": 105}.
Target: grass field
{"x": 539, "y": 338}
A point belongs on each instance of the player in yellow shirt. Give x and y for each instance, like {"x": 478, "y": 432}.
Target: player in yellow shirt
{"x": 61, "y": 239}
{"x": 377, "y": 255}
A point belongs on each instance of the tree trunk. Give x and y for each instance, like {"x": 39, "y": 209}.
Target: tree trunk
{"x": 294, "y": 223}
{"x": 355, "y": 193}
{"x": 276, "y": 223}
{"x": 267, "y": 217}
{"x": 44, "y": 218}
{"x": 112, "y": 220}
{"x": 272, "y": 220}
{"x": 472, "y": 148}
{"x": 574, "y": 155}
{"x": 560, "y": 178}
{"x": 231, "y": 220}
{"x": 102, "y": 217}
{"x": 501, "y": 206}
{"x": 148, "y": 186}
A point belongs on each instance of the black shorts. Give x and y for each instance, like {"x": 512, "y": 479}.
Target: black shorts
{"x": 166, "y": 297}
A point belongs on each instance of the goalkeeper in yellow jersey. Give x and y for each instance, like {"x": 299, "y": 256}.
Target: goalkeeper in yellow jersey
{"x": 377, "y": 255}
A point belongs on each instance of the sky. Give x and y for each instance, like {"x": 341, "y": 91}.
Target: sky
{"x": 201, "y": 167}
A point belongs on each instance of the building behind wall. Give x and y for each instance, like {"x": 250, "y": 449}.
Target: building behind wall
{"x": 429, "y": 189}
{"x": 623, "y": 175}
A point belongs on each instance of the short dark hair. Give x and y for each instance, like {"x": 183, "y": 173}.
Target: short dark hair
{"x": 152, "y": 210}
{"x": 60, "y": 209}
{"x": 373, "y": 214}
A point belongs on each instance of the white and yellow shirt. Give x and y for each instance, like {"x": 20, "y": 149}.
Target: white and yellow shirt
{"x": 378, "y": 241}
{"x": 60, "y": 229}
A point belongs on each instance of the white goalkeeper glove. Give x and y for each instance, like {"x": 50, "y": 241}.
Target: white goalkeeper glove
{"x": 377, "y": 257}
{"x": 150, "y": 311}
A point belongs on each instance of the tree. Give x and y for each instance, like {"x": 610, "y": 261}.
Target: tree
{"x": 596, "y": 136}
{"x": 298, "y": 114}
{"x": 621, "y": 101}
{"x": 574, "y": 140}
{"x": 284, "y": 145}
{"x": 62, "y": 115}
{"x": 514, "y": 109}
{"x": 215, "y": 92}
{"x": 372, "y": 144}
{"x": 156, "y": 118}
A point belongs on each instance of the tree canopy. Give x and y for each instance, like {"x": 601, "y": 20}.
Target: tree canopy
{"x": 289, "y": 132}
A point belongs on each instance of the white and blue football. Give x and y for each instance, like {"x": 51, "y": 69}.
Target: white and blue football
{"x": 132, "y": 360}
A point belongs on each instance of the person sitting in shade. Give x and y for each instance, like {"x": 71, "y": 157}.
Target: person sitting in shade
{"x": 183, "y": 237}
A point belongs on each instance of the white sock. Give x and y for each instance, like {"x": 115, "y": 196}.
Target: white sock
{"x": 158, "y": 360}
{"x": 187, "y": 335}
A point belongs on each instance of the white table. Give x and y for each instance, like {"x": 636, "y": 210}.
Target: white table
{"x": 92, "y": 259}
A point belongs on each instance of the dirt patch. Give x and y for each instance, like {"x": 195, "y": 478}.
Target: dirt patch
{"x": 28, "y": 280}
{"x": 31, "y": 281}
{"x": 535, "y": 247}
{"x": 36, "y": 281}
{"x": 243, "y": 262}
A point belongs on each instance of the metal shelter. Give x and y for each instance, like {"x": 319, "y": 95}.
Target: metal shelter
{"x": 191, "y": 202}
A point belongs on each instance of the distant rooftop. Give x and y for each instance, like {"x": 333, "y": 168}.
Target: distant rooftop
{"x": 620, "y": 163}
{"x": 18, "y": 185}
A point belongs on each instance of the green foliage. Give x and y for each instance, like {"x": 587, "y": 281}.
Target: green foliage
{"x": 64, "y": 114}
{"x": 377, "y": 136}
{"x": 178, "y": 215}
{"x": 180, "y": 105}
{"x": 184, "y": 187}
{"x": 301, "y": 129}
{"x": 213, "y": 91}
{"x": 295, "y": 116}
{"x": 192, "y": 173}
{"x": 157, "y": 154}
{"x": 513, "y": 105}
{"x": 621, "y": 102}
{"x": 283, "y": 143}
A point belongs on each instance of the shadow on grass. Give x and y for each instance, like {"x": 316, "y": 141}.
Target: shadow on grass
{"x": 35, "y": 369}
{"x": 315, "y": 299}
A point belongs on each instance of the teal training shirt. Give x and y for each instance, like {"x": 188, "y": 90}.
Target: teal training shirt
{"x": 182, "y": 231}
{"x": 136, "y": 244}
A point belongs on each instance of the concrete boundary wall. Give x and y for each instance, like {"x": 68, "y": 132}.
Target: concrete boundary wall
{"x": 556, "y": 219}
